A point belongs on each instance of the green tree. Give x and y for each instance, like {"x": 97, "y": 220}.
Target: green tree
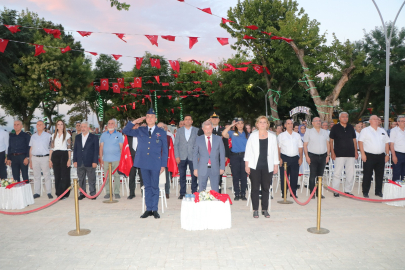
{"x": 119, "y": 5}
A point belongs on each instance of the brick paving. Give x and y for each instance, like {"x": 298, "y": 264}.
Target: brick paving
{"x": 362, "y": 236}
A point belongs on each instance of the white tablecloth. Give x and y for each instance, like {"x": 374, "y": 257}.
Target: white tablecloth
{"x": 392, "y": 191}
{"x": 16, "y": 197}
{"x": 206, "y": 215}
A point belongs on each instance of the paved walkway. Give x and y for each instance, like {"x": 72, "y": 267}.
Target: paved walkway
{"x": 362, "y": 236}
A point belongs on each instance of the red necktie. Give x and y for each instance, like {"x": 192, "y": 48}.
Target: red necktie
{"x": 209, "y": 149}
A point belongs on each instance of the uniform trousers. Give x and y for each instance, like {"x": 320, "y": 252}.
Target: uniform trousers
{"x": 3, "y": 167}
{"x": 151, "y": 184}
{"x": 90, "y": 172}
{"x": 238, "y": 173}
{"x": 17, "y": 165}
{"x": 61, "y": 172}
{"x": 132, "y": 178}
{"x": 292, "y": 170}
{"x": 260, "y": 178}
{"x": 115, "y": 175}
{"x": 41, "y": 164}
{"x": 398, "y": 170}
{"x": 374, "y": 163}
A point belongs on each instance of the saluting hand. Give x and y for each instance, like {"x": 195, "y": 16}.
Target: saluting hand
{"x": 139, "y": 120}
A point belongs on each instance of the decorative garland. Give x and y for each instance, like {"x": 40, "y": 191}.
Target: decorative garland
{"x": 275, "y": 101}
{"x": 100, "y": 107}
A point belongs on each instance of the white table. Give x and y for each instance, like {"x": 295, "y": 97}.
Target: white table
{"x": 16, "y": 197}
{"x": 205, "y": 215}
{"x": 392, "y": 191}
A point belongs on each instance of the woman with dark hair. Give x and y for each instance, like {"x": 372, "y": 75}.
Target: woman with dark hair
{"x": 59, "y": 158}
{"x": 239, "y": 139}
{"x": 296, "y": 127}
{"x": 248, "y": 128}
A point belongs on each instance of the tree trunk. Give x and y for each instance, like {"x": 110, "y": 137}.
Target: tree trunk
{"x": 273, "y": 99}
{"x": 26, "y": 119}
{"x": 324, "y": 107}
{"x": 364, "y": 104}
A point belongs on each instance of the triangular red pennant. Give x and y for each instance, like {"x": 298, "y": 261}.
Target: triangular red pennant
{"x": 223, "y": 41}
{"x": 120, "y": 36}
{"x": 189, "y": 92}
{"x": 195, "y": 61}
{"x": 196, "y": 82}
{"x": 121, "y": 83}
{"x": 169, "y": 38}
{"x": 183, "y": 96}
{"x": 172, "y": 111}
{"x": 84, "y": 33}
{"x": 3, "y": 44}
{"x": 153, "y": 39}
{"x": 159, "y": 97}
{"x": 170, "y": 97}
{"x": 134, "y": 94}
{"x": 206, "y": 10}
{"x": 133, "y": 105}
{"x": 137, "y": 82}
{"x": 13, "y": 28}
{"x": 243, "y": 69}
{"x": 39, "y": 49}
{"x": 149, "y": 82}
{"x": 116, "y": 56}
{"x": 165, "y": 84}
{"x": 165, "y": 91}
{"x": 178, "y": 91}
{"x": 269, "y": 33}
{"x": 93, "y": 53}
{"x": 226, "y": 20}
{"x": 55, "y": 32}
{"x": 245, "y": 63}
{"x": 116, "y": 88}
{"x": 267, "y": 70}
{"x": 248, "y": 37}
{"x": 175, "y": 75}
{"x": 193, "y": 71}
{"x": 230, "y": 66}
{"x": 103, "y": 84}
{"x": 155, "y": 62}
{"x": 143, "y": 101}
{"x": 66, "y": 49}
{"x": 138, "y": 62}
{"x": 253, "y": 27}
{"x": 193, "y": 41}
{"x": 175, "y": 65}
{"x": 197, "y": 89}
{"x": 213, "y": 65}
{"x": 209, "y": 72}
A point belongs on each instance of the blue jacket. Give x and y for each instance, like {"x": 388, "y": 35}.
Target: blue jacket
{"x": 152, "y": 152}
{"x": 88, "y": 154}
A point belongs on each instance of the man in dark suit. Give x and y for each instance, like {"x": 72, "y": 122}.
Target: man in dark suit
{"x": 85, "y": 158}
{"x": 217, "y": 130}
{"x": 133, "y": 144}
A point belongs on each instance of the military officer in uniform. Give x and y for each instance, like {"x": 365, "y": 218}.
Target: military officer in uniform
{"x": 151, "y": 158}
{"x": 217, "y": 130}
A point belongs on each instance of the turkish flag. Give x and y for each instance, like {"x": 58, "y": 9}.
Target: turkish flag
{"x": 243, "y": 69}
{"x": 93, "y": 53}
{"x": 206, "y": 10}
{"x": 175, "y": 65}
{"x": 170, "y": 97}
{"x": 169, "y": 38}
{"x": 209, "y": 72}
{"x": 121, "y": 82}
{"x": 104, "y": 84}
{"x": 165, "y": 84}
{"x": 171, "y": 160}
{"x": 252, "y": 27}
{"x": 195, "y": 61}
{"x": 13, "y": 28}
{"x": 116, "y": 56}
{"x": 223, "y": 41}
{"x": 126, "y": 160}
{"x": 197, "y": 89}
{"x": 133, "y": 106}
{"x": 269, "y": 33}
{"x": 193, "y": 41}
{"x": 159, "y": 97}
{"x": 97, "y": 87}
{"x": 155, "y": 62}
{"x": 3, "y": 44}
{"x": 138, "y": 62}
{"x": 138, "y": 82}
{"x": 116, "y": 88}
{"x": 57, "y": 84}
{"x": 84, "y": 33}
{"x": 55, "y": 32}
{"x": 134, "y": 94}
{"x": 230, "y": 66}
{"x": 226, "y": 20}
{"x": 267, "y": 70}
{"x": 220, "y": 83}
{"x": 248, "y": 37}
{"x": 213, "y": 65}
{"x": 120, "y": 36}
{"x": 153, "y": 39}
{"x": 157, "y": 79}
{"x": 66, "y": 49}
{"x": 39, "y": 49}
{"x": 258, "y": 68}
{"x": 178, "y": 91}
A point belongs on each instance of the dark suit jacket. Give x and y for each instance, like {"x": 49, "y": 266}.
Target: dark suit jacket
{"x": 88, "y": 154}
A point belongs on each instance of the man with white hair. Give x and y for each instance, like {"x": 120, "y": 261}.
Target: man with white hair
{"x": 343, "y": 146}
{"x": 111, "y": 143}
{"x": 374, "y": 148}
{"x": 397, "y": 145}
{"x": 18, "y": 152}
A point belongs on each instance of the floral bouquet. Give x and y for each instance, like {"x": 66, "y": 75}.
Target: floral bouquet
{"x": 206, "y": 196}
{"x": 6, "y": 182}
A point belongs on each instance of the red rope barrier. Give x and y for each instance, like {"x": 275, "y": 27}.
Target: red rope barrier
{"x": 293, "y": 195}
{"x": 363, "y": 199}
{"x": 101, "y": 189}
{"x": 37, "y": 209}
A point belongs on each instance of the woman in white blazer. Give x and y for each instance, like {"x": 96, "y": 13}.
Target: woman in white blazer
{"x": 261, "y": 161}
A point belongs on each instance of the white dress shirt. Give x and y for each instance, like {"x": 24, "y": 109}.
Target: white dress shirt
{"x": 357, "y": 139}
{"x": 374, "y": 140}
{"x": 187, "y": 133}
{"x": 61, "y": 144}
{"x": 4, "y": 141}
{"x": 134, "y": 143}
{"x": 84, "y": 139}
{"x": 40, "y": 144}
{"x": 289, "y": 143}
{"x": 398, "y": 139}
{"x": 151, "y": 129}
{"x": 316, "y": 141}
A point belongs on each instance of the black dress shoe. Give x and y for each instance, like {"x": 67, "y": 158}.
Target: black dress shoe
{"x": 50, "y": 196}
{"x": 266, "y": 214}
{"x": 156, "y": 215}
{"x": 94, "y": 199}
{"x": 365, "y": 195}
{"x": 313, "y": 198}
{"x": 348, "y": 193}
{"x": 181, "y": 197}
{"x": 236, "y": 198}
{"x": 243, "y": 197}
{"x": 256, "y": 214}
{"x": 130, "y": 197}
{"x": 167, "y": 196}
{"x": 147, "y": 214}
{"x": 379, "y": 194}
{"x": 36, "y": 196}
{"x": 294, "y": 195}
{"x": 81, "y": 197}
{"x": 336, "y": 194}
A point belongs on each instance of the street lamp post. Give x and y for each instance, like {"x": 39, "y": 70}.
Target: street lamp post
{"x": 387, "y": 63}
{"x": 265, "y": 99}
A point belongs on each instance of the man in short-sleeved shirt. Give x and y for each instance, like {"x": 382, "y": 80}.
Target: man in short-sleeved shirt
{"x": 397, "y": 144}
{"x": 343, "y": 146}
{"x": 111, "y": 143}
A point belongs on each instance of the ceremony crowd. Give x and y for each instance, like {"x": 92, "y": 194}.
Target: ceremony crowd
{"x": 252, "y": 151}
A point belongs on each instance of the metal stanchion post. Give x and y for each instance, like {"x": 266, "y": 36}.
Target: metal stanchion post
{"x": 111, "y": 192}
{"x": 284, "y": 201}
{"x": 78, "y": 231}
{"x": 318, "y": 229}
